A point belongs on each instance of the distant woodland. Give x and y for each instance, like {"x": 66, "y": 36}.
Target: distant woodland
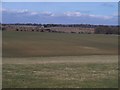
{"x": 75, "y": 28}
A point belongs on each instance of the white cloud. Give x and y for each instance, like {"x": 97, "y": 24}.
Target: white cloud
{"x": 78, "y": 14}
{"x": 99, "y": 16}
{"x": 116, "y": 14}
{"x": 2, "y": 9}
{"x": 73, "y": 14}
{"x": 107, "y": 17}
{"x": 28, "y": 12}
{"x": 21, "y": 11}
{"x": 51, "y": 14}
{"x": 47, "y": 16}
{"x": 14, "y": 10}
{"x": 33, "y": 13}
{"x": 48, "y": 13}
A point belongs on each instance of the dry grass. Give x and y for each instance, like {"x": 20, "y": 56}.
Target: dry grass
{"x": 61, "y": 72}
{"x": 52, "y": 60}
{"x": 63, "y": 59}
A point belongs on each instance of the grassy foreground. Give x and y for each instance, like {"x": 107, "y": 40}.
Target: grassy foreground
{"x": 61, "y": 72}
{"x": 52, "y": 60}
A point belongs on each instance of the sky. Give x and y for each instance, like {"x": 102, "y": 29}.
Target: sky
{"x": 60, "y": 12}
{"x": 60, "y": 0}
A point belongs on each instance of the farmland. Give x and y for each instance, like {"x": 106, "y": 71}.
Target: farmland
{"x": 35, "y": 44}
{"x": 59, "y": 60}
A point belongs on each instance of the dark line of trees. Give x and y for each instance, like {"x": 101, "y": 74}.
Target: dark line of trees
{"x": 99, "y": 29}
{"x": 107, "y": 30}
{"x": 61, "y": 25}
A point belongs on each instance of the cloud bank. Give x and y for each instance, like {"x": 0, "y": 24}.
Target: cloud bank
{"x": 68, "y": 17}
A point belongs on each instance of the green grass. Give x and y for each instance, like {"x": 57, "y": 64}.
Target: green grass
{"x": 36, "y": 44}
{"x": 61, "y": 72}
{"x": 59, "y": 60}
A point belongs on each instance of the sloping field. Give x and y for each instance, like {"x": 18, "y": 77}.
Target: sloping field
{"x": 34, "y": 44}
{"x": 59, "y": 60}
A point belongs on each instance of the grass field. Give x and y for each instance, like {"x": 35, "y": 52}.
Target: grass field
{"x": 32, "y": 44}
{"x": 50, "y": 60}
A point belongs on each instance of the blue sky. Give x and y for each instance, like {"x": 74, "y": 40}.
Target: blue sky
{"x": 60, "y": 0}
{"x": 60, "y": 12}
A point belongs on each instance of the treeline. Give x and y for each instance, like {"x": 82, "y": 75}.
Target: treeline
{"x": 61, "y": 25}
{"x": 98, "y": 29}
{"x": 107, "y": 30}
